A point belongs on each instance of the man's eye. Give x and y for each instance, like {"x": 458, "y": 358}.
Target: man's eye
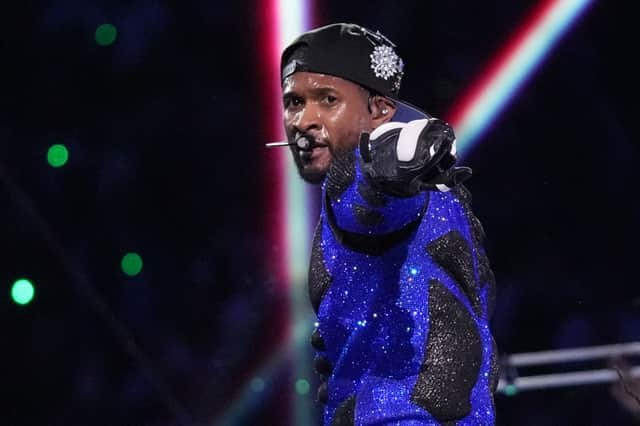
{"x": 330, "y": 99}
{"x": 292, "y": 102}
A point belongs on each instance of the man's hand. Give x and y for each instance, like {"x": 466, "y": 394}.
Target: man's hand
{"x": 404, "y": 159}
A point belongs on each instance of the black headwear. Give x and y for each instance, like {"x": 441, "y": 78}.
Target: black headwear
{"x": 354, "y": 53}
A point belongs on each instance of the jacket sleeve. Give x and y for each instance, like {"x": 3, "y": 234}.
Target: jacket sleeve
{"x": 355, "y": 206}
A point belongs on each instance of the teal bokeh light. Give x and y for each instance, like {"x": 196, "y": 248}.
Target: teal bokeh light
{"x": 22, "y": 291}
{"x": 57, "y": 155}
{"x": 257, "y": 384}
{"x": 106, "y": 34}
{"x": 302, "y": 387}
{"x": 510, "y": 390}
{"x": 131, "y": 264}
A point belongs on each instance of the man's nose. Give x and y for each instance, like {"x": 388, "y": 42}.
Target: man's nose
{"x": 308, "y": 118}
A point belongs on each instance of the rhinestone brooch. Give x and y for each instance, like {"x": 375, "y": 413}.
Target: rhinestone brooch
{"x": 385, "y": 62}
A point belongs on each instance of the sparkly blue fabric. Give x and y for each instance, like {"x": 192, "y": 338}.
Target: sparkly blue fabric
{"x": 374, "y": 316}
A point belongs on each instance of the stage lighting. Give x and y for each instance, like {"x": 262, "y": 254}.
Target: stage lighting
{"x": 302, "y": 387}
{"x": 510, "y": 390}
{"x": 22, "y": 291}
{"x": 257, "y": 384}
{"x": 131, "y": 264}
{"x": 57, "y": 155}
{"x": 106, "y": 34}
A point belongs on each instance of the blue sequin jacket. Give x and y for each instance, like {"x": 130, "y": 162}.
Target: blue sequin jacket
{"x": 403, "y": 293}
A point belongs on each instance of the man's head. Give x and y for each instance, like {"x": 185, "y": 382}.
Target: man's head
{"x": 333, "y": 112}
{"x": 337, "y": 82}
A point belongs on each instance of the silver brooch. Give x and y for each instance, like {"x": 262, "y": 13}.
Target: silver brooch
{"x": 385, "y": 62}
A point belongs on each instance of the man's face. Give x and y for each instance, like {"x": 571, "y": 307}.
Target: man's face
{"x": 331, "y": 110}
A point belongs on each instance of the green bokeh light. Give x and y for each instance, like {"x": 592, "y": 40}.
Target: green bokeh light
{"x": 302, "y": 387}
{"x": 22, "y": 291}
{"x": 131, "y": 264}
{"x": 57, "y": 155}
{"x": 106, "y": 34}
{"x": 257, "y": 384}
{"x": 510, "y": 390}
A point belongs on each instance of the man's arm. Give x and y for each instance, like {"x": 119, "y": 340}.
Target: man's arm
{"x": 382, "y": 187}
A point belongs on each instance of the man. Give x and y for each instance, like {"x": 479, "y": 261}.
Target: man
{"x": 398, "y": 276}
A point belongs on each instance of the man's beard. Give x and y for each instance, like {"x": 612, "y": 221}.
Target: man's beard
{"x": 314, "y": 177}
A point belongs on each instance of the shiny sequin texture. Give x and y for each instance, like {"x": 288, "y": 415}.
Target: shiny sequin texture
{"x": 452, "y": 253}
{"x": 387, "y": 316}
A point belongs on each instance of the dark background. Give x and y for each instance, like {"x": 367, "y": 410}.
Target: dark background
{"x": 166, "y": 159}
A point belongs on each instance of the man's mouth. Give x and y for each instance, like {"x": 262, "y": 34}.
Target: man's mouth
{"x": 308, "y": 155}
{"x": 307, "y": 142}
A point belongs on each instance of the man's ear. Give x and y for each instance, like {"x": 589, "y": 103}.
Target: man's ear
{"x": 382, "y": 110}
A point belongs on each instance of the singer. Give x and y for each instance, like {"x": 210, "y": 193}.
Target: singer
{"x": 398, "y": 276}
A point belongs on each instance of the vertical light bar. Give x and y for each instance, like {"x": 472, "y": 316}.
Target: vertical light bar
{"x": 294, "y": 20}
{"x": 292, "y": 23}
{"x": 287, "y": 218}
{"x": 515, "y": 63}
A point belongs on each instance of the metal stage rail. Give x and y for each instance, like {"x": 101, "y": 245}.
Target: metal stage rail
{"x": 513, "y": 383}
